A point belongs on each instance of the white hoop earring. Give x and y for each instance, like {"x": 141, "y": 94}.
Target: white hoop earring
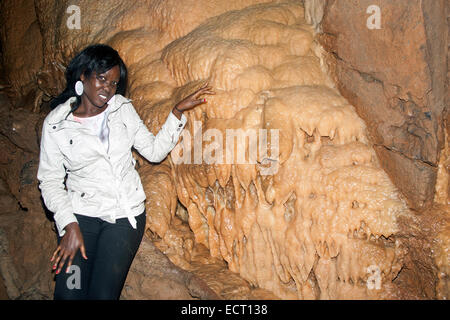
{"x": 79, "y": 88}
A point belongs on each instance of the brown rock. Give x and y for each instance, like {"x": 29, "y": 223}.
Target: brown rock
{"x": 153, "y": 276}
{"x": 22, "y": 44}
{"x": 395, "y": 77}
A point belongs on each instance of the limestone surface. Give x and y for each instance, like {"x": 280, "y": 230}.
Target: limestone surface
{"x": 295, "y": 180}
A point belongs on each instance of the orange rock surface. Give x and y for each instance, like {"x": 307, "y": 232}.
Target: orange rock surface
{"x": 308, "y": 211}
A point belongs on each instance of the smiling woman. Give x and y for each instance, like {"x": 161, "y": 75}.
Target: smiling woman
{"x": 98, "y": 90}
{"x": 87, "y": 175}
{"x": 90, "y": 69}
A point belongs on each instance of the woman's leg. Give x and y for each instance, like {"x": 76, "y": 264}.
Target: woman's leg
{"x": 75, "y": 284}
{"x": 116, "y": 247}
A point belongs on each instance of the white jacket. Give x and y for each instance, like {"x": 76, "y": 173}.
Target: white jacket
{"x": 99, "y": 183}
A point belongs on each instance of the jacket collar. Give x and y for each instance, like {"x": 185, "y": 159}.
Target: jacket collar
{"x": 62, "y": 112}
{"x": 117, "y": 101}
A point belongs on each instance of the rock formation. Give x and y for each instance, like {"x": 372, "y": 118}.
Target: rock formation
{"x": 342, "y": 191}
{"x": 404, "y": 113}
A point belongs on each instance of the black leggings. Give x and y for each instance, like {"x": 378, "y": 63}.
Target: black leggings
{"x": 110, "y": 249}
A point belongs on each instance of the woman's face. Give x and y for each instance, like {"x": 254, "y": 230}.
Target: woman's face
{"x": 99, "y": 88}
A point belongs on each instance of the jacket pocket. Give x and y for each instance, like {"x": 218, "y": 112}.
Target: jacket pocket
{"x": 82, "y": 195}
{"x": 79, "y": 150}
{"x": 135, "y": 189}
{"x": 70, "y": 145}
{"x": 83, "y": 202}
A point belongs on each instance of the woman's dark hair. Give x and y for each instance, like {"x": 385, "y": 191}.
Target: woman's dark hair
{"x": 97, "y": 58}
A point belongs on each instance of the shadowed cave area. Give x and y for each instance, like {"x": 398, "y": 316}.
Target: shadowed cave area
{"x": 347, "y": 196}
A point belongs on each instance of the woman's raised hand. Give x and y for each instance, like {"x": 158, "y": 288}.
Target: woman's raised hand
{"x": 193, "y": 99}
{"x": 68, "y": 247}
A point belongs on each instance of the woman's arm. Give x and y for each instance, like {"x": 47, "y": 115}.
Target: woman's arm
{"x": 156, "y": 148}
{"x": 51, "y": 174}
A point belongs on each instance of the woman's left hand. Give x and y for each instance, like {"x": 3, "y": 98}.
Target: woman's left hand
{"x": 193, "y": 100}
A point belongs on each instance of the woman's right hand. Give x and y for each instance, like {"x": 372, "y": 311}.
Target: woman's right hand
{"x": 68, "y": 247}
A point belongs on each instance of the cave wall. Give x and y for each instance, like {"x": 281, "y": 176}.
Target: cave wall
{"x": 252, "y": 52}
{"x": 22, "y": 45}
{"x": 396, "y": 77}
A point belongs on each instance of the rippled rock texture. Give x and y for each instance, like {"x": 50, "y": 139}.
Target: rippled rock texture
{"x": 339, "y": 200}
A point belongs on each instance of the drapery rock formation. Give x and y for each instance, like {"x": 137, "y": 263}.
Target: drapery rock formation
{"x": 397, "y": 81}
{"x": 339, "y": 198}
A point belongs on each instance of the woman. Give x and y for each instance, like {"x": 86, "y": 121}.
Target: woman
{"x": 87, "y": 176}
